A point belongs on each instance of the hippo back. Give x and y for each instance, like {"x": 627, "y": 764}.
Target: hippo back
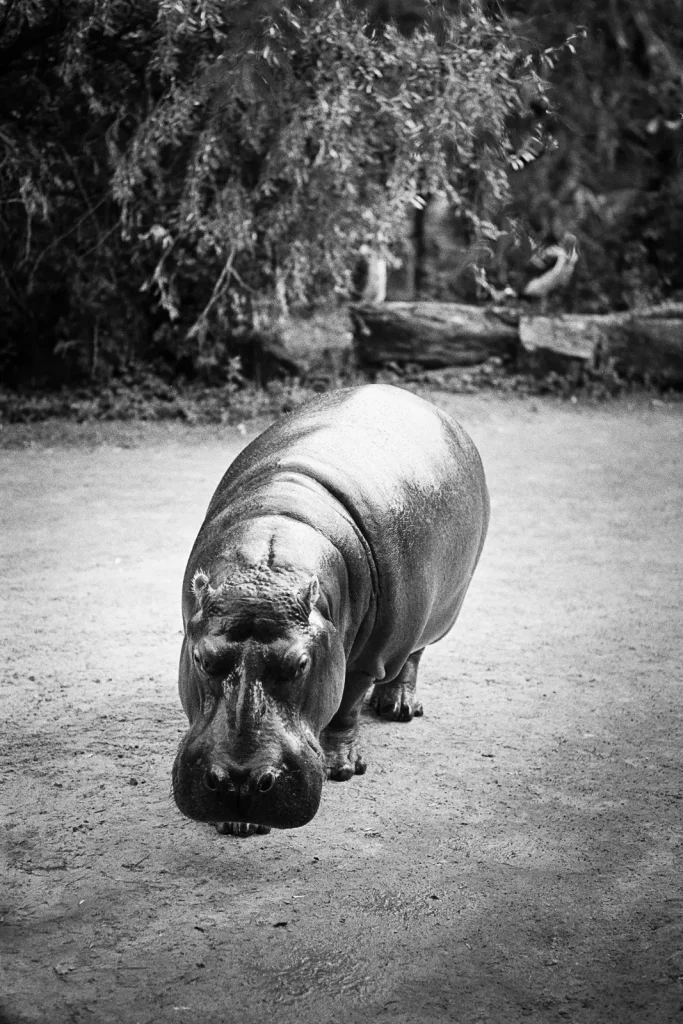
{"x": 409, "y": 478}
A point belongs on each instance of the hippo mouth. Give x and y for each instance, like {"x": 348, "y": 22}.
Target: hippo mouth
{"x": 286, "y": 797}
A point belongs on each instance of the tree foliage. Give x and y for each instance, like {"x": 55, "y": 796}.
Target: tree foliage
{"x": 616, "y": 174}
{"x": 175, "y": 172}
{"x": 72, "y": 87}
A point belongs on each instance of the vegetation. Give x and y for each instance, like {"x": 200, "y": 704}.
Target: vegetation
{"x": 615, "y": 176}
{"x": 174, "y": 174}
{"x": 177, "y": 172}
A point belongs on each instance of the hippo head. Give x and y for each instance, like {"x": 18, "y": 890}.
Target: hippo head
{"x": 261, "y": 673}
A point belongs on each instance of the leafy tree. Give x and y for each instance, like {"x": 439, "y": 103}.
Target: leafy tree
{"x": 616, "y": 174}
{"x": 72, "y": 86}
{"x": 176, "y": 172}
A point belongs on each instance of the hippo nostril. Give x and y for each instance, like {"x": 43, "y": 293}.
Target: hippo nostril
{"x": 211, "y": 781}
{"x": 266, "y": 782}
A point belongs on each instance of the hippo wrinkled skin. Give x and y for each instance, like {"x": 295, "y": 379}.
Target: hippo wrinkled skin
{"x": 338, "y": 544}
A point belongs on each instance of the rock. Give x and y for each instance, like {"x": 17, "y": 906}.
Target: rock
{"x": 320, "y": 343}
{"x": 265, "y": 358}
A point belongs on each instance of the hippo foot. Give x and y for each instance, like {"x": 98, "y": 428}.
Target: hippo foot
{"x": 396, "y": 702}
{"x": 343, "y": 758}
{"x": 240, "y": 828}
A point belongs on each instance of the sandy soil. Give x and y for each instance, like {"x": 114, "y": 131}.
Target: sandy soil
{"x": 513, "y": 856}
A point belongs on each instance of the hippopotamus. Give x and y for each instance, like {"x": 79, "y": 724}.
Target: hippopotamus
{"x": 338, "y": 545}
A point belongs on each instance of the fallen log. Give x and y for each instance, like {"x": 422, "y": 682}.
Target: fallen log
{"x": 664, "y": 311}
{"x": 644, "y": 343}
{"x": 638, "y": 344}
{"x": 433, "y": 334}
{"x": 649, "y": 348}
{"x": 564, "y": 344}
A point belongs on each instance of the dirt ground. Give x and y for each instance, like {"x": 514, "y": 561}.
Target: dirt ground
{"x": 513, "y": 856}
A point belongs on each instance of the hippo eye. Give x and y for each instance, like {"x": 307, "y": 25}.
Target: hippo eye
{"x": 302, "y": 664}
{"x": 198, "y": 660}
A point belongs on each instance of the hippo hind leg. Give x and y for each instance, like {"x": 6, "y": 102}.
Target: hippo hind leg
{"x": 397, "y": 700}
{"x": 240, "y": 828}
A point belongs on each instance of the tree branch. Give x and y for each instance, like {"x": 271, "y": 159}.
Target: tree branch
{"x": 200, "y": 323}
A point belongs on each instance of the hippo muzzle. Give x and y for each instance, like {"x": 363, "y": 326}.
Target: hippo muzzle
{"x": 277, "y": 788}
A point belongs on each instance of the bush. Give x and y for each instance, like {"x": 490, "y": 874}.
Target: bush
{"x": 176, "y": 173}
{"x": 615, "y": 177}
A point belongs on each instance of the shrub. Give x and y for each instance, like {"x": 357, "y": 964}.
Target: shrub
{"x": 177, "y": 172}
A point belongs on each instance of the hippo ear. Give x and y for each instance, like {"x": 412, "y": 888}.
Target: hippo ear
{"x": 310, "y": 594}
{"x": 200, "y": 586}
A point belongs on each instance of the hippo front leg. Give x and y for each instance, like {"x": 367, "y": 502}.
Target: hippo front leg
{"x": 340, "y": 739}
